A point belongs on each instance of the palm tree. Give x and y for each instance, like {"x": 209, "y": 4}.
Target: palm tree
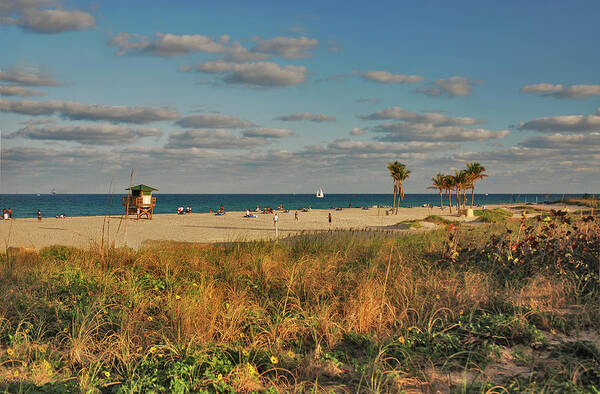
{"x": 449, "y": 185}
{"x": 399, "y": 173}
{"x": 476, "y": 172}
{"x": 437, "y": 182}
{"x": 460, "y": 180}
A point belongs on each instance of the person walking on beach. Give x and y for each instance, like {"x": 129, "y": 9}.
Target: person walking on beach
{"x": 10, "y": 213}
{"x": 275, "y": 220}
{"x": 296, "y": 216}
{"x": 329, "y": 217}
{"x": 39, "y": 215}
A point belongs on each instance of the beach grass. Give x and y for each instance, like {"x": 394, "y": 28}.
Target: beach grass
{"x": 496, "y": 215}
{"x": 505, "y": 306}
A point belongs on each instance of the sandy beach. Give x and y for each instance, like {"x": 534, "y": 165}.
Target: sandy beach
{"x": 84, "y": 232}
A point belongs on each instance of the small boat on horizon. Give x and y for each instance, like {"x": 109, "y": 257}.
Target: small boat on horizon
{"x": 320, "y": 193}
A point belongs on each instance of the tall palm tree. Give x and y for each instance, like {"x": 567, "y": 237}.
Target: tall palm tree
{"x": 449, "y": 185}
{"x": 476, "y": 172}
{"x": 437, "y": 182}
{"x": 460, "y": 180}
{"x": 399, "y": 173}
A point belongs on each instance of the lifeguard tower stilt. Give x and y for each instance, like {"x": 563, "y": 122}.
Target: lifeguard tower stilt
{"x": 140, "y": 202}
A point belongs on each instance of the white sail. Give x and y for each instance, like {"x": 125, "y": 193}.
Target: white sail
{"x": 320, "y": 193}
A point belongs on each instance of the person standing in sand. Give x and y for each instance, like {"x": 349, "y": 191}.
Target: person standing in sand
{"x": 10, "y": 213}
{"x": 275, "y": 220}
{"x": 39, "y": 215}
{"x": 296, "y": 216}
{"x": 329, "y": 217}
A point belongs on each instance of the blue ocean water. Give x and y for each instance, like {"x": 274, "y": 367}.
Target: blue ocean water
{"x": 26, "y": 205}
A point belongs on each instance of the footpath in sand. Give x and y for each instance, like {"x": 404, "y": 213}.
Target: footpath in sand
{"x": 85, "y": 232}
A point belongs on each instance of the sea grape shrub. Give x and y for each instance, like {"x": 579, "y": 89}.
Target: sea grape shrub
{"x": 556, "y": 245}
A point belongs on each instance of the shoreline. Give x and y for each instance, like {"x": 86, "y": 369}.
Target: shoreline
{"x": 88, "y": 231}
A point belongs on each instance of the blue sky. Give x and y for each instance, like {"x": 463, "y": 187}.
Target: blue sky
{"x": 283, "y": 97}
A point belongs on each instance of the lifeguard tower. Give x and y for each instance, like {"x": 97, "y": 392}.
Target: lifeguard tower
{"x": 140, "y": 202}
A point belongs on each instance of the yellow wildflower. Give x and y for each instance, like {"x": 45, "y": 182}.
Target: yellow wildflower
{"x": 245, "y": 353}
{"x": 107, "y": 374}
{"x": 150, "y": 318}
{"x": 16, "y": 373}
{"x": 152, "y": 349}
{"x": 10, "y": 352}
{"x": 227, "y": 305}
{"x": 139, "y": 349}
{"x": 401, "y": 339}
{"x": 274, "y": 360}
{"x": 27, "y": 331}
{"x": 177, "y": 297}
{"x": 219, "y": 377}
{"x": 291, "y": 354}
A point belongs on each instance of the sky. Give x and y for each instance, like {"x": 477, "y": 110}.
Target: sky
{"x": 287, "y": 97}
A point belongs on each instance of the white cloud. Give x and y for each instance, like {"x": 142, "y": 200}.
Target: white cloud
{"x": 576, "y": 123}
{"x": 77, "y": 111}
{"x": 93, "y": 134}
{"x": 287, "y": 47}
{"x": 14, "y": 90}
{"x": 558, "y": 91}
{"x": 213, "y": 121}
{"x": 212, "y": 139}
{"x": 306, "y": 116}
{"x": 577, "y": 143}
{"x": 268, "y": 133}
{"x": 258, "y": 74}
{"x": 405, "y": 131}
{"x": 357, "y": 131}
{"x": 34, "y": 16}
{"x": 414, "y": 117}
{"x": 452, "y": 87}
{"x": 387, "y": 77}
{"x": 26, "y": 77}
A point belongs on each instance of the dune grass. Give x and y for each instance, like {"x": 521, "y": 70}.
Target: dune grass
{"x": 496, "y": 215}
{"x": 462, "y": 308}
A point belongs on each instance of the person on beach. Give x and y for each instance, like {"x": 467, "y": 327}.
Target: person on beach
{"x": 222, "y": 209}
{"x": 10, "y": 213}
{"x": 4, "y": 214}
{"x": 39, "y": 215}
{"x": 275, "y": 220}
{"x": 296, "y": 216}
{"x": 329, "y": 216}
{"x": 257, "y": 208}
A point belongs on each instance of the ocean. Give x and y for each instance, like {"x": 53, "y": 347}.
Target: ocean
{"x": 26, "y": 205}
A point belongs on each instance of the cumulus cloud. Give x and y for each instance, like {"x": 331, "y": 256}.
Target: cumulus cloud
{"x": 170, "y": 45}
{"x": 405, "y": 131}
{"x": 257, "y": 74}
{"x": 14, "y": 90}
{"x": 387, "y": 77}
{"x": 212, "y": 139}
{"x": 574, "y": 123}
{"x": 357, "y": 131}
{"x": 93, "y": 134}
{"x": 577, "y": 143}
{"x": 452, "y": 87}
{"x": 268, "y": 133}
{"x": 26, "y": 77}
{"x": 77, "y": 111}
{"x": 560, "y": 91}
{"x": 213, "y": 121}
{"x": 434, "y": 118}
{"x": 306, "y": 116}
{"x": 34, "y": 16}
{"x": 364, "y": 149}
{"x": 287, "y": 47}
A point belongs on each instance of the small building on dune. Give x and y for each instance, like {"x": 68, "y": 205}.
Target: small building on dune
{"x": 140, "y": 202}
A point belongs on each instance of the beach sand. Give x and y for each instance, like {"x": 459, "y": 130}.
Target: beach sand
{"x": 85, "y": 232}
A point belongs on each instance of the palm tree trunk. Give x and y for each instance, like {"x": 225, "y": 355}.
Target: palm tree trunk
{"x": 394, "y": 200}
{"x": 450, "y": 200}
{"x": 458, "y": 200}
{"x": 441, "y": 201}
{"x": 472, "y": 195}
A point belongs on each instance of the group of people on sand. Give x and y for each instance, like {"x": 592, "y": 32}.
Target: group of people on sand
{"x": 181, "y": 210}
{"x": 7, "y": 214}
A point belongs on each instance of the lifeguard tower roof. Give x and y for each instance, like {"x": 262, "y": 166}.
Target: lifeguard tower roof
{"x": 142, "y": 188}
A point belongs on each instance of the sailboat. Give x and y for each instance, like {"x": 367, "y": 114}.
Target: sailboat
{"x": 320, "y": 193}
{"x": 53, "y": 192}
